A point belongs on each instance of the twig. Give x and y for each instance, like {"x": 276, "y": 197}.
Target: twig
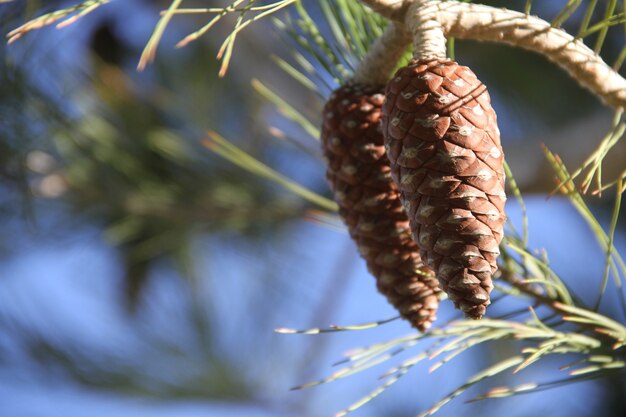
{"x": 485, "y": 23}
{"x": 554, "y": 304}
{"x": 383, "y": 56}
{"x": 533, "y": 292}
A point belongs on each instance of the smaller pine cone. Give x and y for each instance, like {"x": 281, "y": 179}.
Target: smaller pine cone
{"x": 359, "y": 175}
{"x": 443, "y": 144}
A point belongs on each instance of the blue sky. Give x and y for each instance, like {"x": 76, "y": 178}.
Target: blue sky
{"x": 51, "y": 283}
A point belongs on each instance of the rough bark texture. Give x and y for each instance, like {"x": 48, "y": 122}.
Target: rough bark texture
{"x": 369, "y": 204}
{"x": 496, "y": 24}
{"x": 443, "y": 144}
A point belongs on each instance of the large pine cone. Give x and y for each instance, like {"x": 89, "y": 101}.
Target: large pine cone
{"x": 443, "y": 144}
{"x": 369, "y": 203}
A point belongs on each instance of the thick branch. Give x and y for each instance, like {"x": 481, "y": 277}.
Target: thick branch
{"x": 383, "y": 56}
{"x": 484, "y": 23}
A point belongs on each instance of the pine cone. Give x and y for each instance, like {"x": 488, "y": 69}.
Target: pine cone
{"x": 443, "y": 144}
{"x": 369, "y": 204}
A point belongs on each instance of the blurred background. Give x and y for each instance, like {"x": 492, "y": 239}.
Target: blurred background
{"x": 142, "y": 274}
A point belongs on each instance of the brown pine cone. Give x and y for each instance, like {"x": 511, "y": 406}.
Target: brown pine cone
{"x": 369, "y": 203}
{"x": 443, "y": 144}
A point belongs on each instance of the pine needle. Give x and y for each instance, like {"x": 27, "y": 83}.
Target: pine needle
{"x": 335, "y": 328}
{"x": 610, "y": 9}
{"x": 286, "y": 109}
{"x": 149, "y": 51}
{"x": 222, "y": 147}
{"x": 487, "y": 373}
{"x": 78, "y": 11}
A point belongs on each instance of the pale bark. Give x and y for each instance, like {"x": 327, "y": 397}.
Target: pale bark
{"x": 383, "y": 55}
{"x": 429, "y": 40}
{"x": 485, "y": 23}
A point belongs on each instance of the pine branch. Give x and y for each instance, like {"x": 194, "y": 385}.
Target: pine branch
{"x": 485, "y": 23}
{"x": 382, "y": 56}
